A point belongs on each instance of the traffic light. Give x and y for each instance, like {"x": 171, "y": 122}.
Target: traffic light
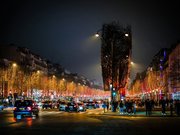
{"x": 114, "y": 93}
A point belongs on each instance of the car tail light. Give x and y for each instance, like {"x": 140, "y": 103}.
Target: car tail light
{"x": 29, "y": 108}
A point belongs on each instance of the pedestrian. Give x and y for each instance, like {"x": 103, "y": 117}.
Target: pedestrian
{"x": 171, "y": 107}
{"x": 113, "y": 106}
{"x": 134, "y": 107}
{"x": 177, "y": 106}
{"x": 126, "y": 106}
{"x": 104, "y": 106}
{"x": 107, "y": 105}
{"x": 163, "y": 104}
{"x": 148, "y": 107}
{"x": 121, "y": 107}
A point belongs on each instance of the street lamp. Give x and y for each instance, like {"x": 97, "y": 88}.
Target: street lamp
{"x": 14, "y": 65}
{"x": 97, "y": 34}
{"x": 126, "y": 34}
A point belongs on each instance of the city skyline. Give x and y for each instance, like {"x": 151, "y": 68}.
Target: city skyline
{"x": 63, "y": 31}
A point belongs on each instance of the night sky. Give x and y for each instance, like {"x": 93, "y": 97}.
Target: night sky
{"x": 62, "y": 30}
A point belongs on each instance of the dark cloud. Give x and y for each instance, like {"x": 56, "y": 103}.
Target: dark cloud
{"x": 61, "y": 30}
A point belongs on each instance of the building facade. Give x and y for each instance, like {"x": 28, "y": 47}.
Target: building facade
{"x": 24, "y": 73}
{"x": 161, "y": 79}
{"x": 24, "y": 57}
{"x": 174, "y": 72}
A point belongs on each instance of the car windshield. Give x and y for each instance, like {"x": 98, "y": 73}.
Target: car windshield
{"x": 47, "y": 102}
{"x": 63, "y": 103}
{"x": 70, "y": 104}
{"x": 90, "y": 102}
{"x": 23, "y": 103}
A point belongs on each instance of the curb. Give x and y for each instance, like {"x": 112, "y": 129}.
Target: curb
{"x": 138, "y": 115}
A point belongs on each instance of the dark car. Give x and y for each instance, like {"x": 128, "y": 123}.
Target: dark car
{"x": 81, "y": 107}
{"x": 1, "y": 107}
{"x": 90, "y": 105}
{"x": 25, "y": 108}
{"x": 71, "y": 107}
{"x": 47, "y": 104}
{"x": 62, "y": 106}
{"x": 96, "y": 105}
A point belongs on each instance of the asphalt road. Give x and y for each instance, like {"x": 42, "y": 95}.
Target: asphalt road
{"x": 93, "y": 122}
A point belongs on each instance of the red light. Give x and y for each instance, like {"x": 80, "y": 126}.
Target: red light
{"x": 29, "y": 108}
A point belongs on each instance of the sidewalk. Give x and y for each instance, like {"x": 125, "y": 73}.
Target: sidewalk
{"x": 141, "y": 114}
{"x": 8, "y": 108}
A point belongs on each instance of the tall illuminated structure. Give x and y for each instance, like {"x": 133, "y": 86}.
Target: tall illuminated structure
{"x": 116, "y": 50}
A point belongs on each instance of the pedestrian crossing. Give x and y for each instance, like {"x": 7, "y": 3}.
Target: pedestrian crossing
{"x": 62, "y": 112}
{"x": 95, "y": 113}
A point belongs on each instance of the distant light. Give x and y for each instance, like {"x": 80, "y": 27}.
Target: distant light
{"x": 132, "y": 63}
{"x": 161, "y": 67}
{"x": 164, "y": 53}
{"x": 126, "y": 35}
{"x": 97, "y": 35}
{"x": 14, "y": 64}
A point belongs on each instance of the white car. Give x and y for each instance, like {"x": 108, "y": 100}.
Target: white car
{"x": 1, "y": 107}
{"x": 62, "y": 106}
{"x": 39, "y": 104}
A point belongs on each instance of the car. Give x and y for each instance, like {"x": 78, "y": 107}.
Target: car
{"x": 25, "y": 108}
{"x": 62, "y": 106}
{"x": 39, "y": 104}
{"x": 85, "y": 103}
{"x": 71, "y": 107}
{"x": 90, "y": 105}
{"x": 81, "y": 107}
{"x": 1, "y": 107}
{"x": 55, "y": 104}
{"x": 47, "y": 104}
{"x": 97, "y": 104}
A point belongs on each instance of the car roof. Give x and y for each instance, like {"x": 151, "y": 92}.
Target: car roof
{"x": 24, "y": 100}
